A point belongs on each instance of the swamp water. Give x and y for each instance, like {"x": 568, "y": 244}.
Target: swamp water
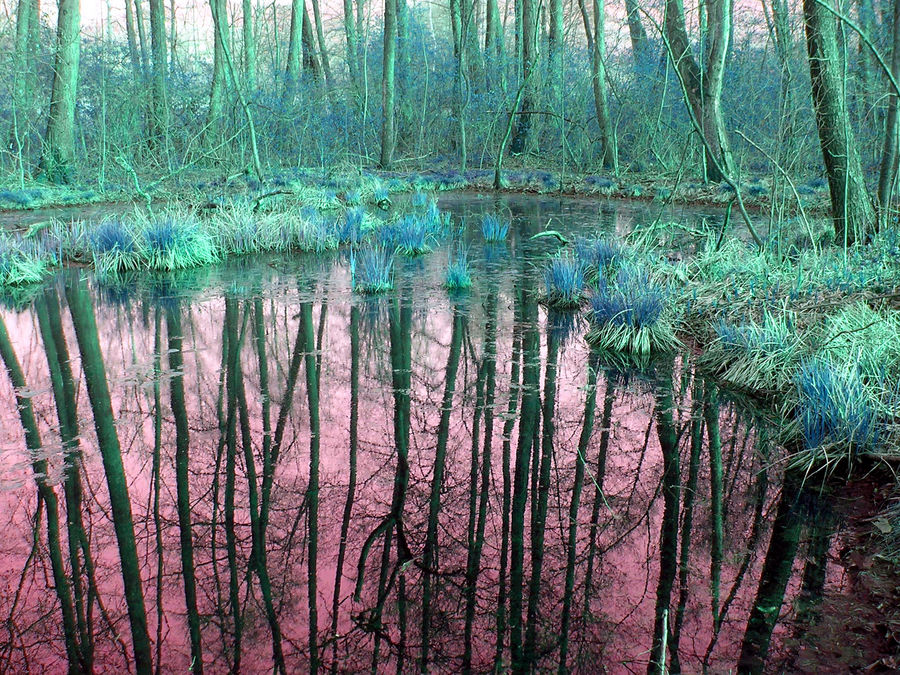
{"x": 435, "y": 482}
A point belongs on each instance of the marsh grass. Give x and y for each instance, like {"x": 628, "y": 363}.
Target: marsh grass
{"x": 381, "y": 196}
{"x": 20, "y": 263}
{"x": 419, "y": 199}
{"x": 563, "y": 281}
{"x": 632, "y": 314}
{"x": 458, "y": 276}
{"x": 176, "y": 241}
{"x": 494, "y": 228}
{"x": 598, "y": 256}
{"x": 410, "y": 235}
{"x": 836, "y": 412}
{"x": 372, "y": 270}
{"x": 114, "y": 247}
{"x": 350, "y": 226}
{"x": 759, "y": 357}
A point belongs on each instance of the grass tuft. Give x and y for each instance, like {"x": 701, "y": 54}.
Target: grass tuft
{"x": 171, "y": 243}
{"x": 20, "y": 263}
{"x": 836, "y": 411}
{"x": 349, "y": 230}
{"x": 757, "y": 356}
{"x": 411, "y": 235}
{"x": 631, "y": 314}
{"x": 597, "y": 255}
{"x": 372, "y": 270}
{"x": 564, "y": 281}
{"x": 493, "y": 228}
{"x": 419, "y": 199}
{"x": 114, "y": 247}
{"x": 458, "y": 274}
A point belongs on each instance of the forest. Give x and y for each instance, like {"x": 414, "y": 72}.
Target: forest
{"x": 464, "y": 336}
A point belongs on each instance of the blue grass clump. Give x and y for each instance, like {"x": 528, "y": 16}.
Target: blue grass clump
{"x": 564, "y": 282}
{"x": 372, "y": 270}
{"x": 756, "y": 190}
{"x": 494, "y": 228}
{"x": 818, "y": 183}
{"x": 835, "y": 410}
{"x": 597, "y": 255}
{"x": 111, "y": 236}
{"x": 349, "y": 229}
{"x": 458, "y": 275}
{"x": 436, "y": 221}
{"x": 113, "y": 247}
{"x": 170, "y": 245}
{"x": 353, "y": 197}
{"x": 630, "y": 314}
{"x": 411, "y": 235}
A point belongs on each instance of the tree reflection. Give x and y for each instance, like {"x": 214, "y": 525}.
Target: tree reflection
{"x": 451, "y": 480}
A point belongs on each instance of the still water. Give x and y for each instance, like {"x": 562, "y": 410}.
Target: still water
{"x": 249, "y": 468}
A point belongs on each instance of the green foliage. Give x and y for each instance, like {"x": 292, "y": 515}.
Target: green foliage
{"x": 870, "y": 337}
{"x": 20, "y": 264}
{"x": 757, "y": 356}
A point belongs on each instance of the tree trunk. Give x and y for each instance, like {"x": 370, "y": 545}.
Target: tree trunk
{"x": 352, "y": 49}
{"x": 320, "y": 35}
{"x": 529, "y": 58}
{"x": 216, "y": 113}
{"x": 456, "y": 26}
{"x": 640, "y": 45}
{"x": 23, "y": 89}
{"x": 249, "y": 46}
{"x": 159, "y": 113}
{"x": 132, "y": 41}
{"x": 703, "y": 90}
{"x": 311, "y": 62}
{"x": 852, "y": 209}
{"x": 173, "y": 35}
{"x": 85, "y": 324}
{"x": 295, "y": 46}
{"x": 142, "y": 37}
{"x": 47, "y": 494}
{"x": 183, "y": 500}
{"x": 598, "y": 82}
{"x": 58, "y": 160}
{"x": 387, "y": 84}
{"x": 889, "y": 154}
{"x": 493, "y": 35}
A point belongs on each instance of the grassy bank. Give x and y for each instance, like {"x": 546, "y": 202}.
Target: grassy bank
{"x": 333, "y": 189}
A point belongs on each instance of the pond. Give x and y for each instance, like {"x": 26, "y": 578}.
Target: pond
{"x": 221, "y": 459}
